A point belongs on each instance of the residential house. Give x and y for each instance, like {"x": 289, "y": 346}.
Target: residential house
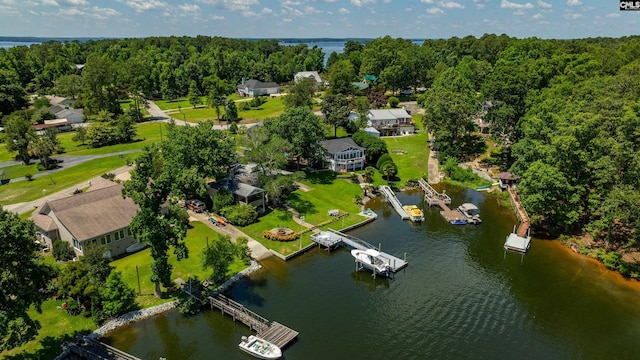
{"x": 58, "y": 124}
{"x": 96, "y": 217}
{"x": 75, "y": 116}
{"x": 391, "y": 121}
{"x": 244, "y": 194}
{"x": 343, "y": 155}
{"x": 255, "y": 87}
{"x": 313, "y": 75}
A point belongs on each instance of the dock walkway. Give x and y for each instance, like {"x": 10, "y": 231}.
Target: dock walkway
{"x": 520, "y": 239}
{"x": 271, "y": 331}
{"x": 393, "y": 200}
{"x": 332, "y": 239}
{"x": 91, "y": 349}
{"x": 442, "y": 200}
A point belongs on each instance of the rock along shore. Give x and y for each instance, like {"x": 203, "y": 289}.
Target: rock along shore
{"x": 142, "y": 314}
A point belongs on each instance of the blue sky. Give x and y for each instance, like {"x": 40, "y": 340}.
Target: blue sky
{"x": 317, "y": 18}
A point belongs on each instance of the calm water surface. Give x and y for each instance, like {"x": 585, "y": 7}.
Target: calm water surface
{"x": 461, "y": 297}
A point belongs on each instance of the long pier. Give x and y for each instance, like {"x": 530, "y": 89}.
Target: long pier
{"x": 393, "y": 200}
{"x": 434, "y": 198}
{"x": 331, "y": 239}
{"x": 271, "y": 331}
{"x": 520, "y": 239}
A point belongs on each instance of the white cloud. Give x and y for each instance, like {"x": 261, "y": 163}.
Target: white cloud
{"x": 359, "y": 3}
{"x": 371, "y": 22}
{"x": 287, "y": 20}
{"x": 217, "y": 17}
{"x": 572, "y": 16}
{"x": 311, "y": 10}
{"x": 612, "y": 15}
{"x": 386, "y": 1}
{"x": 426, "y": 1}
{"x": 435, "y": 11}
{"x": 233, "y": 5}
{"x": 189, "y": 8}
{"x": 450, "y": 5}
{"x": 544, "y": 5}
{"x": 574, "y": 2}
{"x": 343, "y": 11}
{"x": 75, "y": 2}
{"x": 142, "y": 5}
{"x": 267, "y": 11}
{"x": 103, "y": 13}
{"x": 480, "y": 4}
{"x": 73, "y": 12}
{"x": 537, "y": 16}
{"x": 509, "y": 5}
{"x": 50, "y": 3}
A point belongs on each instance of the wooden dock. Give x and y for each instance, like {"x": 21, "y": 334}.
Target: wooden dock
{"x": 271, "y": 331}
{"x": 393, "y": 200}
{"x": 520, "y": 239}
{"x": 91, "y": 349}
{"x": 331, "y": 239}
{"x": 442, "y": 200}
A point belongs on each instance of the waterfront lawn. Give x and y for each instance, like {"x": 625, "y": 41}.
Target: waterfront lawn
{"x": 57, "y": 327}
{"x": 411, "y": 155}
{"x": 22, "y": 191}
{"x": 196, "y": 241}
{"x": 327, "y": 192}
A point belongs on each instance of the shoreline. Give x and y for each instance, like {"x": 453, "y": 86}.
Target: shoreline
{"x": 146, "y": 313}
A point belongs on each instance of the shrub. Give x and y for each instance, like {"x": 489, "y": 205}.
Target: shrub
{"x": 233, "y": 128}
{"x": 188, "y": 306}
{"x": 244, "y": 106}
{"x": 223, "y": 199}
{"x": 28, "y": 176}
{"x": 385, "y": 158}
{"x": 109, "y": 176}
{"x": 279, "y": 237}
{"x": 241, "y": 215}
{"x": 393, "y": 101}
{"x": 62, "y": 251}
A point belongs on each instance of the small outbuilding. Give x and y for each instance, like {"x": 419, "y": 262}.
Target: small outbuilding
{"x": 508, "y": 179}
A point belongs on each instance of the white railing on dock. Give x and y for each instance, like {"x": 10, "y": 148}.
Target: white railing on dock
{"x": 397, "y": 205}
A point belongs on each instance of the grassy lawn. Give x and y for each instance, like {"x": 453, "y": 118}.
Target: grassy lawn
{"x": 5, "y": 155}
{"x": 16, "y": 171}
{"x": 271, "y": 108}
{"x": 30, "y": 190}
{"x": 411, "y": 155}
{"x": 326, "y": 193}
{"x": 196, "y": 242}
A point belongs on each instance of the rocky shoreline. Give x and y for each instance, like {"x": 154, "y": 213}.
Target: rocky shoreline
{"x": 143, "y": 314}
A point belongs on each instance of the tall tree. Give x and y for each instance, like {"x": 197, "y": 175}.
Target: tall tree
{"x": 18, "y": 135}
{"x": 302, "y": 130}
{"x": 101, "y": 86}
{"x": 217, "y": 90}
{"x": 12, "y": 95}
{"x": 341, "y": 78}
{"x": 300, "y": 94}
{"x": 336, "y": 109}
{"x": 22, "y": 276}
{"x": 230, "y": 111}
{"x": 194, "y": 94}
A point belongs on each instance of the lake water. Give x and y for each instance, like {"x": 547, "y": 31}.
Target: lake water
{"x": 10, "y": 44}
{"x": 461, "y": 297}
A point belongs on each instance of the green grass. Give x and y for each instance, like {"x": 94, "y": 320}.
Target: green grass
{"x": 16, "y": 171}
{"x": 22, "y": 191}
{"x": 181, "y": 103}
{"x": 326, "y": 193}
{"x": 196, "y": 241}
{"x": 411, "y": 155}
{"x": 271, "y": 108}
{"x": 5, "y": 155}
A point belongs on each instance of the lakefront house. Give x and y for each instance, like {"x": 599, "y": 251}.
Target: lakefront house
{"x": 343, "y": 155}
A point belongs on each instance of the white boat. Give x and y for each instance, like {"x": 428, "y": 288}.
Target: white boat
{"x": 371, "y": 260}
{"x": 260, "y": 348}
{"x": 414, "y": 212}
{"x": 470, "y": 212}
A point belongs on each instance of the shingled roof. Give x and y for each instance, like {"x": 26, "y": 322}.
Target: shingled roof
{"x": 334, "y": 146}
{"x": 94, "y": 213}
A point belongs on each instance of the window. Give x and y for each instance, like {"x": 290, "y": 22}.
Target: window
{"x": 108, "y": 236}
{"x": 76, "y": 244}
{"x": 118, "y": 235}
{"x": 103, "y": 240}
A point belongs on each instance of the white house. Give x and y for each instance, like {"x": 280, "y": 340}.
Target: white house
{"x": 255, "y": 87}
{"x": 96, "y": 217}
{"x": 343, "y": 155}
{"x": 75, "y": 116}
{"x": 391, "y": 121}
{"x": 313, "y": 75}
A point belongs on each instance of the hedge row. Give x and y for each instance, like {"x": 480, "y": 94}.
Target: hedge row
{"x": 277, "y": 237}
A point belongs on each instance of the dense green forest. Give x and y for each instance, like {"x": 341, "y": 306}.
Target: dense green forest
{"x": 564, "y": 112}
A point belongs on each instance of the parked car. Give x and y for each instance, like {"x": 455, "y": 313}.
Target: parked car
{"x": 196, "y": 205}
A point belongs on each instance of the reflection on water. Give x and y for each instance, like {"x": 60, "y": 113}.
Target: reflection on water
{"x": 462, "y": 296}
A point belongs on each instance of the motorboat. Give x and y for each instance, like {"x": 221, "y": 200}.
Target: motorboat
{"x": 414, "y": 212}
{"x": 371, "y": 260}
{"x": 459, "y": 221}
{"x": 260, "y": 348}
{"x": 470, "y": 212}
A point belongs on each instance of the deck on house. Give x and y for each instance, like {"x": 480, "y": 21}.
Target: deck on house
{"x": 331, "y": 239}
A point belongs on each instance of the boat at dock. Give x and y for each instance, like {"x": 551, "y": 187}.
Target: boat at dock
{"x": 371, "y": 259}
{"x": 414, "y": 212}
{"x": 260, "y": 348}
{"x": 470, "y": 212}
{"x": 459, "y": 221}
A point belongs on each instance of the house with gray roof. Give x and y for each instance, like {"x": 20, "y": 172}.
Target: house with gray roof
{"x": 75, "y": 116}
{"x": 343, "y": 155}
{"x": 96, "y": 217}
{"x": 312, "y": 75}
{"x": 255, "y": 87}
{"x": 391, "y": 122}
{"x": 244, "y": 194}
